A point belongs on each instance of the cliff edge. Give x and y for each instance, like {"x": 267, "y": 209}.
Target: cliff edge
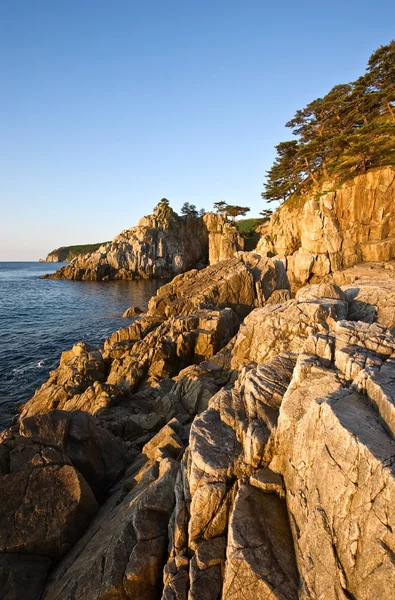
{"x": 335, "y": 228}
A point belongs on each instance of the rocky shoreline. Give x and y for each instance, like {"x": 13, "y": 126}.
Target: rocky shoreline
{"x": 231, "y": 442}
{"x": 236, "y": 440}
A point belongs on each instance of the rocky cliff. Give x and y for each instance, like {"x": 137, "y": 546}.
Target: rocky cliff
{"x": 67, "y": 253}
{"x": 224, "y": 239}
{"x": 230, "y": 443}
{"x": 335, "y": 228}
{"x": 161, "y": 245}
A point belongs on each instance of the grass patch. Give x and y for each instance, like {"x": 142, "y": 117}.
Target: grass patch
{"x": 67, "y": 253}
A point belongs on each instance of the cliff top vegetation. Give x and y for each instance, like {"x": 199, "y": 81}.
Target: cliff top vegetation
{"x": 343, "y": 134}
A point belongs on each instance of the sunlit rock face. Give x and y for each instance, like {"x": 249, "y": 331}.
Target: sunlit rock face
{"x": 232, "y": 443}
{"x": 223, "y": 237}
{"x": 161, "y": 245}
{"x": 335, "y": 228}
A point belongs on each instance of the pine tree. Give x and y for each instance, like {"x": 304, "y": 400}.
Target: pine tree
{"x": 381, "y": 76}
{"x": 348, "y": 131}
{"x": 237, "y": 211}
{"x": 221, "y": 207}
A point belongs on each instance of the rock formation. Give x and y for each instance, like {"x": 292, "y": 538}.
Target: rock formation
{"x": 67, "y": 253}
{"x": 162, "y": 245}
{"x": 230, "y": 443}
{"x": 224, "y": 239}
{"x": 335, "y": 229}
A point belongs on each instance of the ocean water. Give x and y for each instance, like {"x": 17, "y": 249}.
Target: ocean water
{"x": 39, "y": 318}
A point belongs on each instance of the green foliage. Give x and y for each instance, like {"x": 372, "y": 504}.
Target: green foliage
{"x": 220, "y": 207}
{"x": 266, "y": 213}
{"x": 67, "y": 253}
{"x": 163, "y": 202}
{"x": 248, "y": 230}
{"x": 347, "y": 132}
{"x": 189, "y": 210}
{"x": 247, "y": 226}
{"x": 231, "y": 210}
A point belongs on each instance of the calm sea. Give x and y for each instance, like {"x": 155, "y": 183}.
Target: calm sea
{"x": 39, "y": 318}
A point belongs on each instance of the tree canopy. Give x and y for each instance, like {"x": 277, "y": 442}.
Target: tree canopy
{"x": 345, "y": 133}
{"x": 231, "y": 210}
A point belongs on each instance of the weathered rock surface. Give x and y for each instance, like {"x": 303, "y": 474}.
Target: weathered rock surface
{"x": 223, "y": 238}
{"x": 189, "y": 321}
{"x": 122, "y": 553}
{"x": 338, "y": 468}
{"x": 335, "y": 229}
{"x": 162, "y": 245}
{"x": 22, "y": 576}
{"x": 372, "y": 300}
{"x": 245, "y": 281}
{"x": 96, "y": 453}
{"x": 256, "y": 459}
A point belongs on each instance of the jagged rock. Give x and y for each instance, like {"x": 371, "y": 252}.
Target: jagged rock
{"x": 22, "y": 576}
{"x": 79, "y": 368}
{"x": 337, "y": 463}
{"x": 335, "y": 229}
{"x": 166, "y": 443}
{"x": 173, "y": 345}
{"x": 298, "y": 404}
{"x": 228, "y": 441}
{"x": 223, "y": 238}
{"x": 189, "y": 321}
{"x": 371, "y": 300}
{"x": 162, "y": 245}
{"x": 274, "y": 329}
{"x": 240, "y": 283}
{"x": 123, "y": 338}
{"x": 192, "y": 390}
{"x": 122, "y": 553}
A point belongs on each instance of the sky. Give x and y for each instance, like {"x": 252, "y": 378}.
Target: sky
{"x": 108, "y": 106}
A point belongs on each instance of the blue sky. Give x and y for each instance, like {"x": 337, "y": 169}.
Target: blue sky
{"x": 107, "y": 106}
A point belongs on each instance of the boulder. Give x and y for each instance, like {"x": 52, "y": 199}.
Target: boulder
{"x": 95, "y": 452}
{"x": 133, "y": 311}
{"x": 44, "y": 510}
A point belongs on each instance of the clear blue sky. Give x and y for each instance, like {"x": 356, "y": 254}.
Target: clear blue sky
{"x": 107, "y": 106}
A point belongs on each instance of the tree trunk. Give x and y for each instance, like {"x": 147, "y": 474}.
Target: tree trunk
{"x": 390, "y": 110}
{"x": 310, "y": 171}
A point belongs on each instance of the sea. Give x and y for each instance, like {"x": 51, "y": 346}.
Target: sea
{"x": 40, "y": 318}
